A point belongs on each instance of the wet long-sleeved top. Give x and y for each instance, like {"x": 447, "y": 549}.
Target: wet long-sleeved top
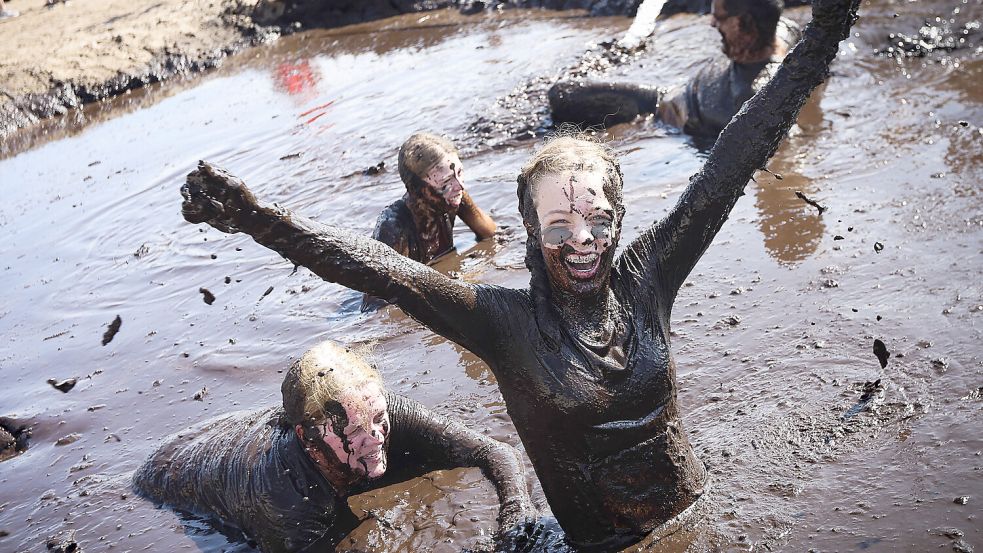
{"x": 604, "y": 436}
{"x": 248, "y": 470}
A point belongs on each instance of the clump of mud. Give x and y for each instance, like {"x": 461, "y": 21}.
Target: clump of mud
{"x": 14, "y": 436}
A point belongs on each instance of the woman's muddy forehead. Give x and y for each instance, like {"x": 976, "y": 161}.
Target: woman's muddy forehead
{"x": 453, "y": 159}
{"x": 567, "y": 183}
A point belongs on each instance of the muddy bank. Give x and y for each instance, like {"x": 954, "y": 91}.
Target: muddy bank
{"x": 57, "y": 58}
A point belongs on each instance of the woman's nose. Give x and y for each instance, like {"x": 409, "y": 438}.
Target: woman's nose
{"x": 582, "y": 234}
{"x": 377, "y": 435}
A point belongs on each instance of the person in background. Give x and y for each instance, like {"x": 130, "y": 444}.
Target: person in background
{"x": 755, "y": 41}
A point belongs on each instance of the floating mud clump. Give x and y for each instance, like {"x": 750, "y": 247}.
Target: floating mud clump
{"x": 64, "y": 542}
{"x": 207, "y": 296}
{"x": 111, "y": 330}
{"x": 63, "y": 386}
{"x": 13, "y": 438}
{"x": 880, "y": 350}
{"x": 939, "y": 35}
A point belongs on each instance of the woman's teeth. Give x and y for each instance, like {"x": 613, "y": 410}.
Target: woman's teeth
{"x": 581, "y": 259}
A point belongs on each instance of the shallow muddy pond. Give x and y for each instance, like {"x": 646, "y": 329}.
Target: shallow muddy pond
{"x": 773, "y": 333}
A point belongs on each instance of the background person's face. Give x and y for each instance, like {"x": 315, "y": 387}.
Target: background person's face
{"x": 577, "y": 229}
{"x": 361, "y": 443}
{"x": 445, "y": 180}
{"x": 736, "y": 39}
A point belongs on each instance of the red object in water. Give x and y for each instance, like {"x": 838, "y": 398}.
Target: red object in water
{"x": 295, "y": 78}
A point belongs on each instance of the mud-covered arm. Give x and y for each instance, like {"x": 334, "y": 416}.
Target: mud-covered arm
{"x": 213, "y": 196}
{"x": 388, "y": 232}
{"x": 476, "y": 219}
{"x": 667, "y": 252}
{"x": 600, "y": 103}
{"x": 423, "y": 441}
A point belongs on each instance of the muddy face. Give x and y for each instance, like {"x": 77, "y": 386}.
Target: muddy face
{"x": 577, "y": 229}
{"x": 739, "y": 38}
{"x": 444, "y": 182}
{"x": 358, "y": 439}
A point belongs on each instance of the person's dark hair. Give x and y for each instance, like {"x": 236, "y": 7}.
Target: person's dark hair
{"x": 763, "y": 15}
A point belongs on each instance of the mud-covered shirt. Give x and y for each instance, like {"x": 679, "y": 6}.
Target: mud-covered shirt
{"x": 397, "y": 229}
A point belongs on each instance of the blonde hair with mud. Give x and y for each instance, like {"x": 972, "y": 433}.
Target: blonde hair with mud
{"x": 420, "y": 153}
{"x": 569, "y": 150}
{"x": 323, "y": 374}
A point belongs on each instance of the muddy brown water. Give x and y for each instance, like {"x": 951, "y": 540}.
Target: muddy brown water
{"x": 772, "y": 335}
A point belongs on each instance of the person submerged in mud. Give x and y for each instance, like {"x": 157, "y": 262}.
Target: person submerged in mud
{"x": 420, "y": 225}
{"x": 280, "y": 475}
{"x": 755, "y": 41}
{"x": 582, "y": 357}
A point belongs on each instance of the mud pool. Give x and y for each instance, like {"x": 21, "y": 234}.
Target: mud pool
{"x": 773, "y": 334}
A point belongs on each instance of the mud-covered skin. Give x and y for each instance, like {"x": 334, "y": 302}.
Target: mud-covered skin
{"x": 604, "y": 437}
{"x": 249, "y": 471}
{"x": 702, "y": 107}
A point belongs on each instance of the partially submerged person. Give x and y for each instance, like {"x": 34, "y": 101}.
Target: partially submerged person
{"x": 280, "y": 475}
{"x": 420, "y": 225}
{"x": 582, "y": 357}
{"x": 755, "y": 41}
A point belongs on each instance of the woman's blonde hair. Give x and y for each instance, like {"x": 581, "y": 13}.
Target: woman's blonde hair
{"x": 313, "y": 385}
{"x": 570, "y": 150}
{"x": 420, "y": 153}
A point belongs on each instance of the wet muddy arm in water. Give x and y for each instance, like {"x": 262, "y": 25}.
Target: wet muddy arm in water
{"x": 476, "y": 219}
{"x": 388, "y": 232}
{"x": 600, "y": 103}
{"x": 424, "y": 441}
{"x": 672, "y": 246}
{"x": 447, "y": 306}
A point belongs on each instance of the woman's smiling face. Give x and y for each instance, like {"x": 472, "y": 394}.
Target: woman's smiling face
{"x": 577, "y": 228}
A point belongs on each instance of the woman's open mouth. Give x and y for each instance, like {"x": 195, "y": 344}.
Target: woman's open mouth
{"x": 582, "y": 266}
{"x": 375, "y": 456}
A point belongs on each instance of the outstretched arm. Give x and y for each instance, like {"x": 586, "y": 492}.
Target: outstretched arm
{"x": 668, "y": 251}
{"x": 600, "y": 103}
{"x": 476, "y": 219}
{"x": 423, "y": 441}
{"x": 215, "y": 197}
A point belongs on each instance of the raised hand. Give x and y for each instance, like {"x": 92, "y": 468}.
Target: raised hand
{"x": 213, "y": 196}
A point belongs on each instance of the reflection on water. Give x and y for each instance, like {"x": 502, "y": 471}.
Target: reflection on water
{"x": 792, "y": 229}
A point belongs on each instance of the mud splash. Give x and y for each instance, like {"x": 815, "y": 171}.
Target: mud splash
{"x": 772, "y": 334}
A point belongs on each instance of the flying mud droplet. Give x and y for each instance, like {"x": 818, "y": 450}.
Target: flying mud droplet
{"x": 880, "y": 350}
{"x": 878, "y": 247}
{"x": 63, "y": 386}
{"x": 111, "y": 330}
{"x": 207, "y": 295}
{"x": 376, "y": 169}
{"x": 266, "y": 293}
{"x": 200, "y": 394}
